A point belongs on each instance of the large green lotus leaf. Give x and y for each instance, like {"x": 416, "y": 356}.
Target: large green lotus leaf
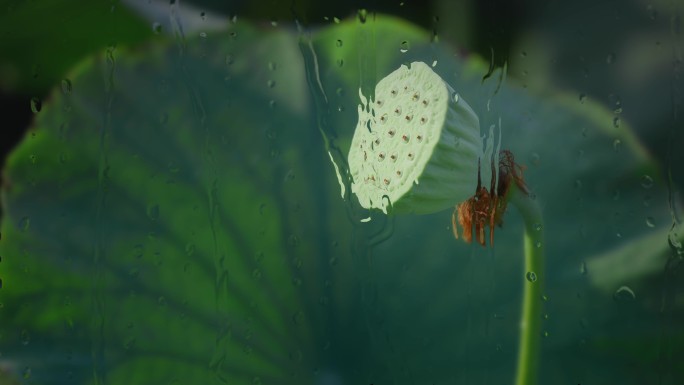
{"x": 176, "y": 219}
{"x": 157, "y": 217}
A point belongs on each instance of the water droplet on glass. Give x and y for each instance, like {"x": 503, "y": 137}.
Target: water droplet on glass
{"x": 538, "y": 244}
{"x": 534, "y": 159}
{"x": 153, "y": 212}
{"x": 523, "y": 54}
{"x": 404, "y": 47}
{"x": 229, "y": 60}
{"x": 203, "y": 35}
{"x": 203, "y": 15}
{"x": 624, "y": 294}
{"x": 340, "y": 62}
{"x": 24, "y": 224}
{"x": 36, "y": 105}
{"x": 538, "y": 226}
{"x": 610, "y": 59}
{"x": 617, "y": 145}
{"x": 256, "y": 274}
{"x": 190, "y": 249}
{"x": 616, "y": 122}
{"x": 336, "y": 20}
{"x": 362, "y": 15}
{"x": 531, "y": 276}
{"x": 583, "y": 268}
{"x": 66, "y": 86}
{"x": 272, "y": 66}
{"x": 650, "y": 222}
{"x": 578, "y": 184}
{"x": 646, "y": 181}
{"x": 582, "y": 97}
{"x": 271, "y": 83}
{"x": 24, "y": 337}
{"x": 156, "y": 28}
{"x": 546, "y": 334}
{"x": 338, "y": 43}
{"x": 455, "y": 97}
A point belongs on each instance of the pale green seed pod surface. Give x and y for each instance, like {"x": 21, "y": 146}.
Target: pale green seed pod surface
{"x": 416, "y": 145}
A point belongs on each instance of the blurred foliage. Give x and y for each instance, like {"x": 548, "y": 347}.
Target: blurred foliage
{"x": 41, "y": 40}
{"x": 172, "y": 217}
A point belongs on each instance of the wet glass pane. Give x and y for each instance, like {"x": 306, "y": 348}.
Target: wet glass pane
{"x": 383, "y": 193}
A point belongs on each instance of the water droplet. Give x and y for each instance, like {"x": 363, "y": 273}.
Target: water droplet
{"x": 617, "y": 145}
{"x": 646, "y": 181}
{"x": 24, "y": 337}
{"x": 271, "y": 83}
{"x": 338, "y": 43}
{"x": 650, "y": 222}
{"x": 66, "y": 86}
{"x": 362, "y": 15}
{"x": 578, "y": 184}
{"x": 24, "y": 224}
{"x": 256, "y": 274}
{"x": 538, "y": 226}
{"x": 538, "y": 244}
{"x": 36, "y": 105}
{"x": 203, "y": 15}
{"x": 546, "y": 334}
{"x": 583, "y": 268}
{"x": 545, "y": 316}
{"x": 190, "y": 249}
{"x": 203, "y": 35}
{"x": 153, "y": 212}
{"x": 624, "y": 294}
{"x": 610, "y": 59}
{"x": 156, "y": 28}
{"x": 545, "y": 298}
{"x": 582, "y": 97}
{"x": 534, "y": 159}
{"x": 523, "y": 54}
{"x": 404, "y": 47}
{"x": 298, "y": 317}
{"x": 647, "y": 201}
{"x": 336, "y": 20}
{"x": 531, "y": 276}
{"x": 616, "y": 122}
{"x": 33, "y": 158}
{"x": 272, "y": 66}
{"x": 229, "y": 60}
{"x": 340, "y": 62}
{"x": 455, "y": 97}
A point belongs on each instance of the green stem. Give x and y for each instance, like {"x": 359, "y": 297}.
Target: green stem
{"x": 531, "y": 317}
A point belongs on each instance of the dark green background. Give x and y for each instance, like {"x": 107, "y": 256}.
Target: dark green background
{"x": 172, "y": 215}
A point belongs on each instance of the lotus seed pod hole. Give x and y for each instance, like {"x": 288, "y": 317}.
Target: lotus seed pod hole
{"x": 428, "y": 135}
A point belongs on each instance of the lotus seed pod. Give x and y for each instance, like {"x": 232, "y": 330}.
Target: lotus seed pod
{"x": 416, "y": 145}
